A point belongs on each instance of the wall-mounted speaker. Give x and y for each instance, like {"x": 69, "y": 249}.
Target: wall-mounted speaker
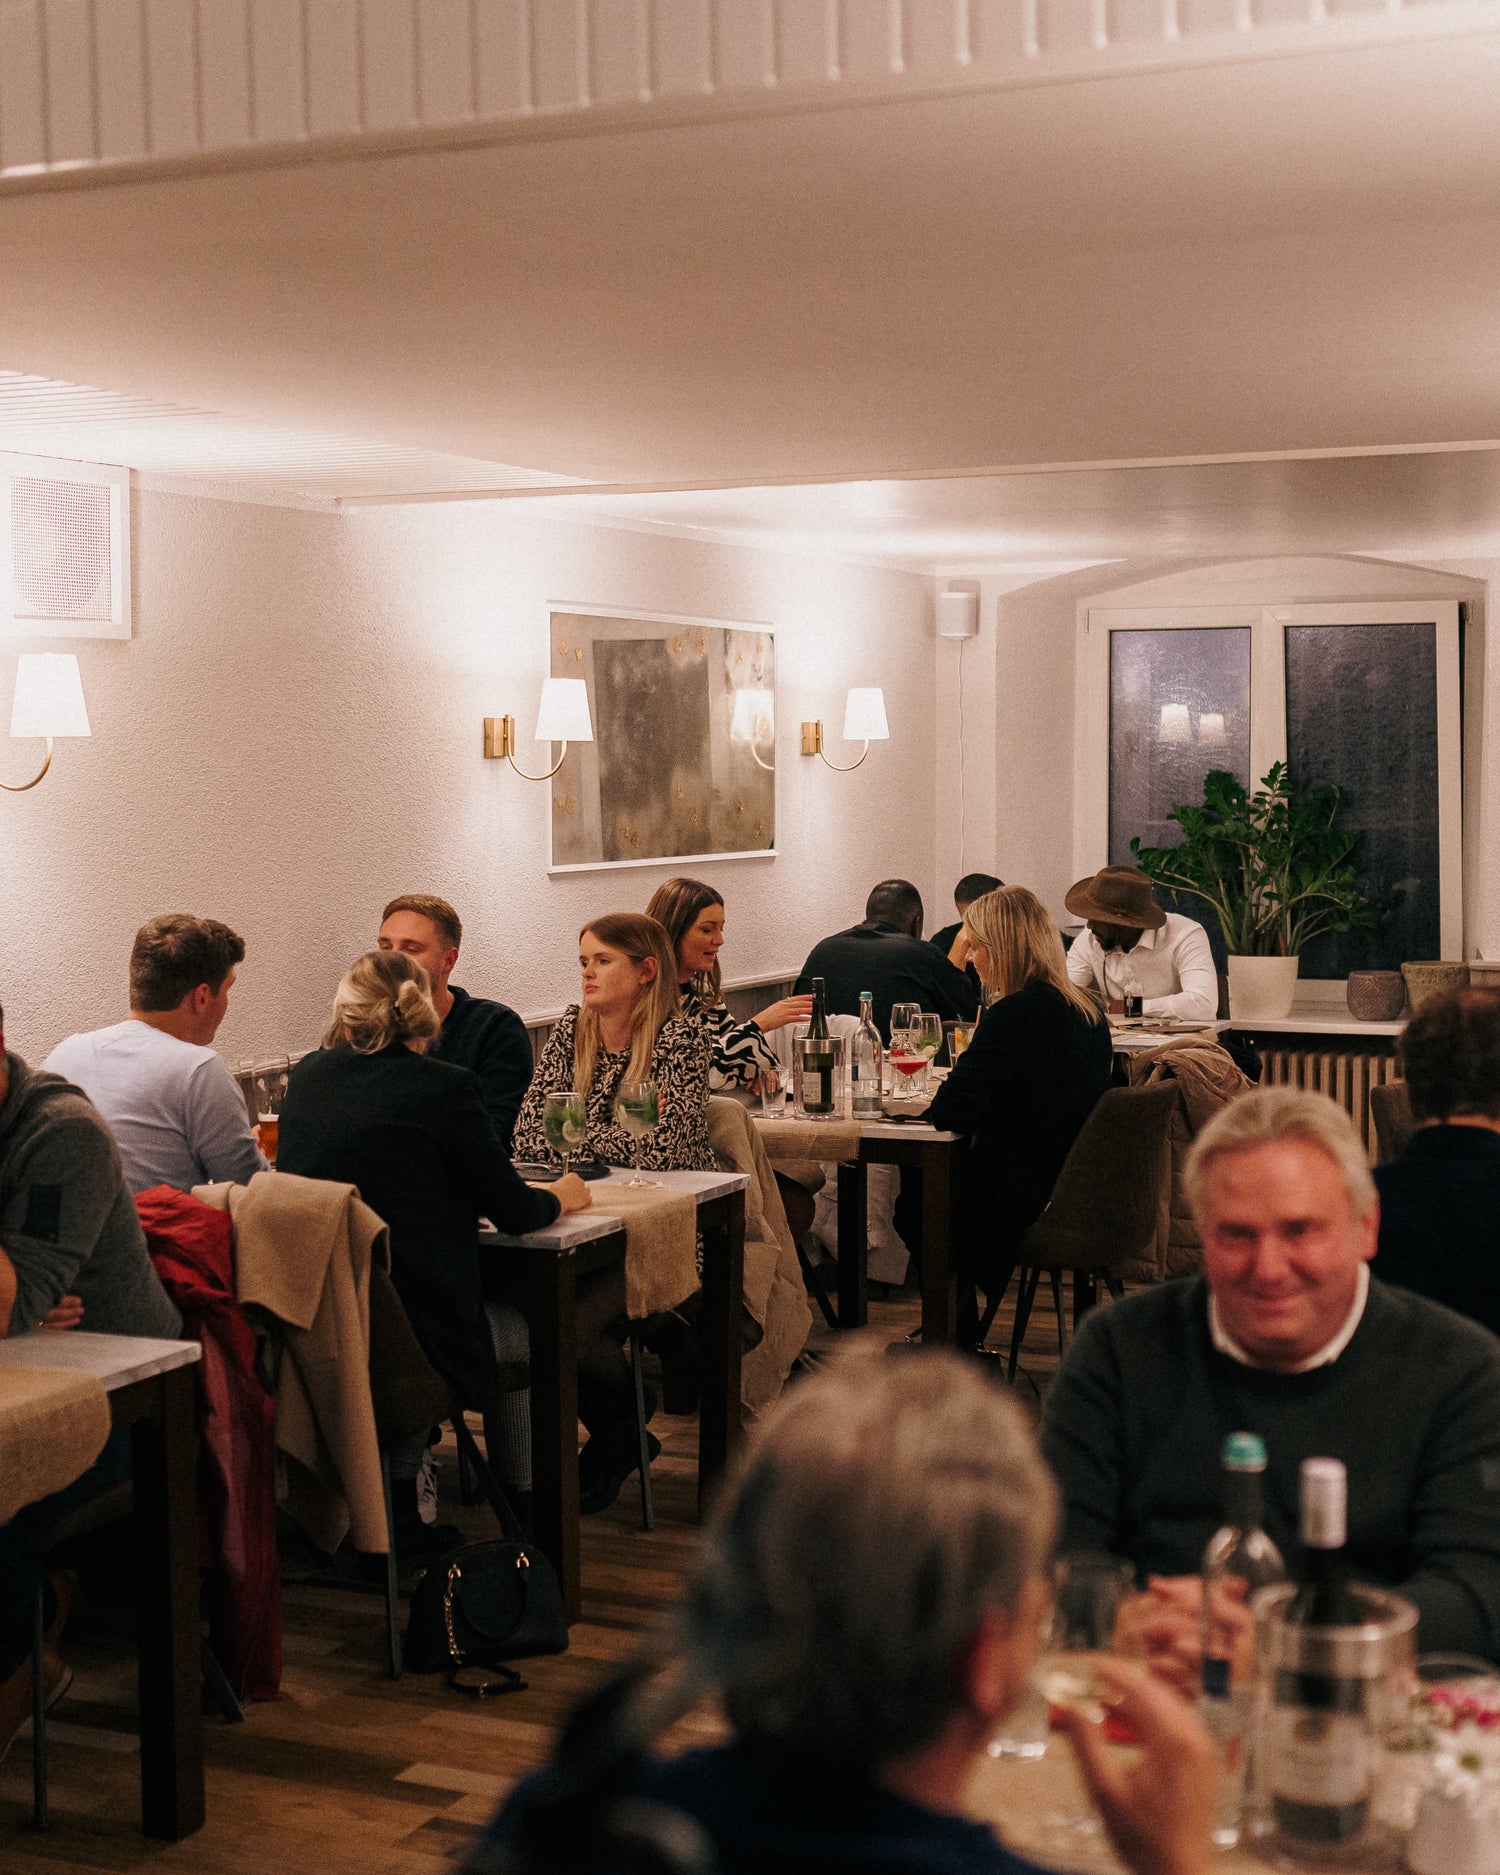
{"x": 958, "y": 615}
{"x": 64, "y": 548}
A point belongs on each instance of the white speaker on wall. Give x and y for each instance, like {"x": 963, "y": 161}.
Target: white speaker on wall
{"x": 64, "y": 548}
{"x": 958, "y": 614}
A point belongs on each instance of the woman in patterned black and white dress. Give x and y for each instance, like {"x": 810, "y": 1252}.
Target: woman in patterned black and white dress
{"x": 693, "y": 916}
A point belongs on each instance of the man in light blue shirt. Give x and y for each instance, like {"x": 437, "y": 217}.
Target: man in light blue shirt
{"x": 174, "y": 1108}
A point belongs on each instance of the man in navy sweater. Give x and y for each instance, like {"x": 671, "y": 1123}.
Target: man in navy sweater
{"x": 486, "y": 1037}
{"x": 1286, "y": 1335}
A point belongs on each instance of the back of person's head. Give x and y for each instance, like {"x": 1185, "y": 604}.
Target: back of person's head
{"x": 437, "y": 911}
{"x": 1450, "y": 1056}
{"x": 1266, "y": 1117}
{"x": 1024, "y": 946}
{"x": 677, "y": 907}
{"x": 643, "y": 940}
{"x": 385, "y": 997}
{"x": 896, "y": 902}
{"x": 173, "y": 954}
{"x": 974, "y": 885}
{"x": 886, "y": 1507}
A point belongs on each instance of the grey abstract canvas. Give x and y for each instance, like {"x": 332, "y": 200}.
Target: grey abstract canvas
{"x": 683, "y": 763}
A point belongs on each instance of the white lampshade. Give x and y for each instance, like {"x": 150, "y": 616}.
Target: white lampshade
{"x": 1176, "y": 724}
{"x": 754, "y": 715}
{"x": 864, "y": 717}
{"x": 1211, "y": 727}
{"x": 49, "y": 696}
{"x": 564, "y": 712}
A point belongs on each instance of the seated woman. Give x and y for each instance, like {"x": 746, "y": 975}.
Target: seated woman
{"x": 867, "y": 1608}
{"x": 369, "y": 1110}
{"x": 693, "y": 916}
{"x": 1021, "y": 1091}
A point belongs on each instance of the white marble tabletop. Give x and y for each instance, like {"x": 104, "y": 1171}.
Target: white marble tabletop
{"x": 867, "y": 1129}
{"x": 1137, "y": 1041}
{"x": 598, "y": 1221}
{"x": 115, "y": 1360}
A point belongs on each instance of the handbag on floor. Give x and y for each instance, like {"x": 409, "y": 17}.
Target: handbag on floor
{"x": 479, "y": 1606}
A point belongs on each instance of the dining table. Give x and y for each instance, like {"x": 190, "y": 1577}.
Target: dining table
{"x": 554, "y": 1259}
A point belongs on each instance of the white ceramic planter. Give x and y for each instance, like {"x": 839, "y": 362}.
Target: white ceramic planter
{"x": 1261, "y": 988}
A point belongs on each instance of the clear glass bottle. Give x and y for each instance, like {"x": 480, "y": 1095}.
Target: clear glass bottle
{"x": 866, "y": 1063}
{"x": 1240, "y": 1559}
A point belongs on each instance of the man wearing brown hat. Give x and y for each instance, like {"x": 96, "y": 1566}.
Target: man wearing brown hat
{"x": 1133, "y": 947}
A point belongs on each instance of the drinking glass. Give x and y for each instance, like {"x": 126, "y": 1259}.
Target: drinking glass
{"x": 907, "y": 1061}
{"x": 927, "y": 1033}
{"x": 1087, "y": 1592}
{"x": 773, "y": 1094}
{"x": 565, "y": 1122}
{"x": 904, "y": 1018}
{"x": 267, "y": 1081}
{"x": 636, "y": 1112}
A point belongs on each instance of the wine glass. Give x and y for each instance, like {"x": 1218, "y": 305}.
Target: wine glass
{"x": 903, "y": 1020}
{"x": 637, "y": 1109}
{"x": 1088, "y": 1591}
{"x": 927, "y": 1033}
{"x": 906, "y": 1059}
{"x": 565, "y": 1122}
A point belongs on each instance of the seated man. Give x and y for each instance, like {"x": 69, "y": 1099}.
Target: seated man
{"x": 950, "y": 940}
{"x": 886, "y": 956}
{"x": 175, "y": 1110}
{"x": 1286, "y": 1335}
{"x": 1132, "y": 944}
{"x": 71, "y": 1251}
{"x": 1440, "y": 1201}
{"x": 486, "y": 1037}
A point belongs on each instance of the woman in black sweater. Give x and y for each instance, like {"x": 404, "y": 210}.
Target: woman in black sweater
{"x": 1024, "y": 1086}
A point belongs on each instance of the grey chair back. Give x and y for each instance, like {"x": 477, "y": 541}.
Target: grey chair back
{"x": 1103, "y": 1212}
{"x": 1391, "y": 1111}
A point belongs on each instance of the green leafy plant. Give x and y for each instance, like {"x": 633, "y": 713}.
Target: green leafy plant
{"x": 1273, "y": 865}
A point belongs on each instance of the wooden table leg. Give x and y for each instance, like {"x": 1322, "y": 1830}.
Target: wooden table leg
{"x": 165, "y": 1456}
{"x": 722, "y": 1222}
{"x": 552, "y": 1316}
{"x": 854, "y": 1244}
{"x": 939, "y": 1284}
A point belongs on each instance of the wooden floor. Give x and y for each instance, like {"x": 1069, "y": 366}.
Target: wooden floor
{"x": 350, "y": 1772}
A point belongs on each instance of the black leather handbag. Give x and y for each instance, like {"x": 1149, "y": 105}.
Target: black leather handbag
{"x": 479, "y": 1606}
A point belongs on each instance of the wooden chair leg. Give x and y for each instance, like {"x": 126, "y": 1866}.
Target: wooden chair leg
{"x": 1115, "y": 1287}
{"x": 1025, "y": 1296}
{"x": 648, "y": 1518}
{"x": 1057, "y": 1303}
{"x": 392, "y": 1586}
{"x": 996, "y": 1298}
{"x": 217, "y": 1688}
{"x": 39, "y": 1812}
{"x": 815, "y": 1286}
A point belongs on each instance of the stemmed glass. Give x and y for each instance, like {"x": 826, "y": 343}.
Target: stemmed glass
{"x": 903, "y": 1021}
{"x": 565, "y": 1122}
{"x": 637, "y": 1109}
{"x": 927, "y": 1034}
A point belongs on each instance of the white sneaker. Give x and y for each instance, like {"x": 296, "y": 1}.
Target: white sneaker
{"x": 427, "y": 1487}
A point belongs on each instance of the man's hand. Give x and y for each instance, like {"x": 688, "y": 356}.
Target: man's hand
{"x": 1163, "y": 1628}
{"x": 1159, "y": 1807}
{"x": 571, "y": 1193}
{"x": 68, "y": 1313}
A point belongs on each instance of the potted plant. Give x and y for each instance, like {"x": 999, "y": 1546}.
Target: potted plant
{"x": 1276, "y": 869}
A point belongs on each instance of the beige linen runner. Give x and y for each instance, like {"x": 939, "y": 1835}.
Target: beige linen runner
{"x": 661, "y": 1237}
{"x": 793, "y": 1141}
{"x": 52, "y": 1427}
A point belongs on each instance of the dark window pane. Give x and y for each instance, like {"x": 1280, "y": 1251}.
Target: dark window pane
{"x": 1361, "y": 712}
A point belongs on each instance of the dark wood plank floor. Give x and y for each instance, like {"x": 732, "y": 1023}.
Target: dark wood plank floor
{"x": 350, "y": 1772}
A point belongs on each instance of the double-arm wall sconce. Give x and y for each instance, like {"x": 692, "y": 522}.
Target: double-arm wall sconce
{"x": 48, "y": 702}
{"x": 562, "y": 717}
{"x": 864, "y": 721}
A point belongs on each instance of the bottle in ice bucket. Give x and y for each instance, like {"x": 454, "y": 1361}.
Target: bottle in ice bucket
{"x": 817, "y": 1058}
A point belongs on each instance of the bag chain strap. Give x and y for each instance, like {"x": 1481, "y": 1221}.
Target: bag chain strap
{"x": 455, "y": 1574}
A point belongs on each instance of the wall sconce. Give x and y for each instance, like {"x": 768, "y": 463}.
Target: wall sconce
{"x": 563, "y": 716}
{"x": 754, "y": 720}
{"x": 1176, "y": 725}
{"x": 864, "y": 721}
{"x": 48, "y": 702}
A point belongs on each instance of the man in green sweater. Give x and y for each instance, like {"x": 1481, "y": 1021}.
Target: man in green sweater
{"x": 1284, "y": 1334}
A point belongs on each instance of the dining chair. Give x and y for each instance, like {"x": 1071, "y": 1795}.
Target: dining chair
{"x": 1390, "y": 1109}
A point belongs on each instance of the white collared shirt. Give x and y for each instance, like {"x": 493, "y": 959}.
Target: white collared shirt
{"x": 1325, "y": 1356}
{"x": 1171, "y": 968}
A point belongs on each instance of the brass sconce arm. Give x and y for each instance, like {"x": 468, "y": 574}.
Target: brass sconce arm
{"x": 812, "y": 744}
{"x": 500, "y": 740}
{"x": 20, "y": 787}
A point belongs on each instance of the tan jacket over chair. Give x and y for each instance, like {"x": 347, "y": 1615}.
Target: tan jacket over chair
{"x": 1207, "y": 1079}
{"x": 303, "y": 1252}
{"x": 775, "y": 1295}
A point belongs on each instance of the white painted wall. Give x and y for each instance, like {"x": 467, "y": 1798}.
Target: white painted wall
{"x": 294, "y": 735}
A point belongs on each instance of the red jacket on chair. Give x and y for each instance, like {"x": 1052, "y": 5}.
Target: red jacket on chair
{"x": 192, "y": 1246}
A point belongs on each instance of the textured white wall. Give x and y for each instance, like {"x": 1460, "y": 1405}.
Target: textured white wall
{"x": 294, "y": 735}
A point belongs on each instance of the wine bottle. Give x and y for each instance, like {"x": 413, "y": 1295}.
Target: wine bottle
{"x": 866, "y": 1063}
{"x": 817, "y": 1058}
{"x": 1322, "y": 1754}
{"x": 1240, "y": 1559}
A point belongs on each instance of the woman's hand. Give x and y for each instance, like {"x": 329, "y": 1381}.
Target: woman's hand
{"x": 571, "y": 1193}
{"x": 789, "y": 1009}
{"x": 1159, "y": 1807}
{"x": 67, "y": 1313}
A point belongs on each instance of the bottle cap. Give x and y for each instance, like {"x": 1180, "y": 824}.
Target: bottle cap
{"x": 1245, "y": 1451}
{"x": 867, "y": 996}
{"x": 1325, "y": 1501}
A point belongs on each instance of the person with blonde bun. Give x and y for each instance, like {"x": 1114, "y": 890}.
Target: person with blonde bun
{"x": 370, "y": 1109}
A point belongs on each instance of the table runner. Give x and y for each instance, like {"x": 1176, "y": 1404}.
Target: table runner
{"x": 52, "y": 1427}
{"x": 661, "y": 1244}
{"x": 793, "y": 1141}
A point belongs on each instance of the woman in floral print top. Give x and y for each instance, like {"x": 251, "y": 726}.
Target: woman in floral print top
{"x": 693, "y": 916}
{"x": 627, "y": 1028}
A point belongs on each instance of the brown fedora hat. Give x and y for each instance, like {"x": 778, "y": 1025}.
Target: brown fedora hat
{"x": 1117, "y": 895}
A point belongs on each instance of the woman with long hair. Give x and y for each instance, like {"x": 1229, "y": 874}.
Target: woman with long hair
{"x": 692, "y": 915}
{"x": 1020, "y": 1092}
{"x": 867, "y": 1608}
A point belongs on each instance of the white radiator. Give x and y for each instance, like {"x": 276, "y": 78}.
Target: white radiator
{"x": 1345, "y": 1076}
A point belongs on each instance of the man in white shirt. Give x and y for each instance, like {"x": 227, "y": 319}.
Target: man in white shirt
{"x": 1133, "y": 947}
{"x": 174, "y": 1108}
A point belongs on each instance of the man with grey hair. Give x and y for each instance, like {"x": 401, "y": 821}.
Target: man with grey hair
{"x": 1285, "y": 1334}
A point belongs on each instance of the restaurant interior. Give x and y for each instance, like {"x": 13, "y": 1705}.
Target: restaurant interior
{"x": 365, "y": 363}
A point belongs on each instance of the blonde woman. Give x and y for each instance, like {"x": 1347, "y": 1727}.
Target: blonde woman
{"x": 1021, "y": 1091}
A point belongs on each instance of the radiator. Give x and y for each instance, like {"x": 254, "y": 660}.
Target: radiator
{"x": 1345, "y": 1076}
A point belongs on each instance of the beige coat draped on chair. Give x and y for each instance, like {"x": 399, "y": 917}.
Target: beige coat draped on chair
{"x": 303, "y": 1252}
{"x": 1207, "y": 1079}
